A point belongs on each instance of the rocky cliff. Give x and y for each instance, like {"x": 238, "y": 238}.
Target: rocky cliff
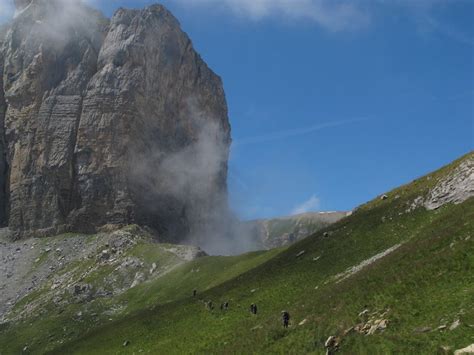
{"x": 3, "y": 167}
{"x": 107, "y": 122}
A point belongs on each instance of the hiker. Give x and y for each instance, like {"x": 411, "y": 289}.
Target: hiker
{"x": 195, "y": 293}
{"x": 285, "y": 316}
{"x": 253, "y": 308}
{"x": 226, "y": 305}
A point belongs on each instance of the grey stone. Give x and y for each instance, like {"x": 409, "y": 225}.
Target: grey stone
{"x": 455, "y": 324}
{"x": 467, "y": 350}
{"x": 455, "y": 188}
{"x": 91, "y": 108}
{"x": 301, "y": 253}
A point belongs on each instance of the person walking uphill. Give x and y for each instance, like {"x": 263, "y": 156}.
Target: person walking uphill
{"x": 285, "y": 317}
{"x": 253, "y": 308}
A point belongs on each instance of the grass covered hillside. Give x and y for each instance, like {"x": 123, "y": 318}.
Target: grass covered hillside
{"x": 394, "y": 277}
{"x": 110, "y": 276}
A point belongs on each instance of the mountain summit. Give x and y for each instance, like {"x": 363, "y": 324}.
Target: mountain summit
{"x": 107, "y": 122}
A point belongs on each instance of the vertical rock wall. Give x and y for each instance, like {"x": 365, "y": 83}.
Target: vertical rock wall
{"x": 94, "y": 110}
{"x": 3, "y": 162}
{"x": 49, "y": 57}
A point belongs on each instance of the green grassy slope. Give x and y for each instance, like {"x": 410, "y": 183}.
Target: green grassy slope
{"x": 426, "y": 283}
{"x": 45, "y": 325}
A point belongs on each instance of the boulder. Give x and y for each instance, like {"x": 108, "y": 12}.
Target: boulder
{"x": 455, "y": 324}
{"x": 153, "y": 268}
{"x": 467, "y": 350}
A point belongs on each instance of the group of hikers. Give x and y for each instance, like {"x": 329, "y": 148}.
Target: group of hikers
{"x": 285, "y": 315}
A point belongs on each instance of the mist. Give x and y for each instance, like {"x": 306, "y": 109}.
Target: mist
{"x": 178, "y": 178}
{"x": 193, "y": 180}
{"x": 59, "y": 21}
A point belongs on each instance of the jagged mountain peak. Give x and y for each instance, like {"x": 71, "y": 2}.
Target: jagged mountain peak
{"x": 92, "y": 113}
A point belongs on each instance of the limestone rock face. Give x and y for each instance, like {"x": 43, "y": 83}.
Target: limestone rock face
{"x": 3, "y": 162}
{"x": 456, "y": 188}
{"x": 107, "y": 122}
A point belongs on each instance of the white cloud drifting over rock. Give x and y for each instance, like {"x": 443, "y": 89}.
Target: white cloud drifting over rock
{"x": 333, "y": 15}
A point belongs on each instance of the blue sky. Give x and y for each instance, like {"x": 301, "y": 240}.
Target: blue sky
{"x": 334, "y": 102}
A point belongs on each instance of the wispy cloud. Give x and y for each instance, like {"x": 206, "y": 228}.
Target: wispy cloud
{"x": 309, "y": 205}
{"x": 338, "y": 15}
{"x": 449, "y": 31}
{"x": 294, "y": 132}
{"x": 7, "y": 8}
{"x": 426, "y": 14}
{"x": 332, "y": 15}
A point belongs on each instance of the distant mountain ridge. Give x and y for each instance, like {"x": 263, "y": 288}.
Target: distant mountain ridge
{"x": 282, "y": 231}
